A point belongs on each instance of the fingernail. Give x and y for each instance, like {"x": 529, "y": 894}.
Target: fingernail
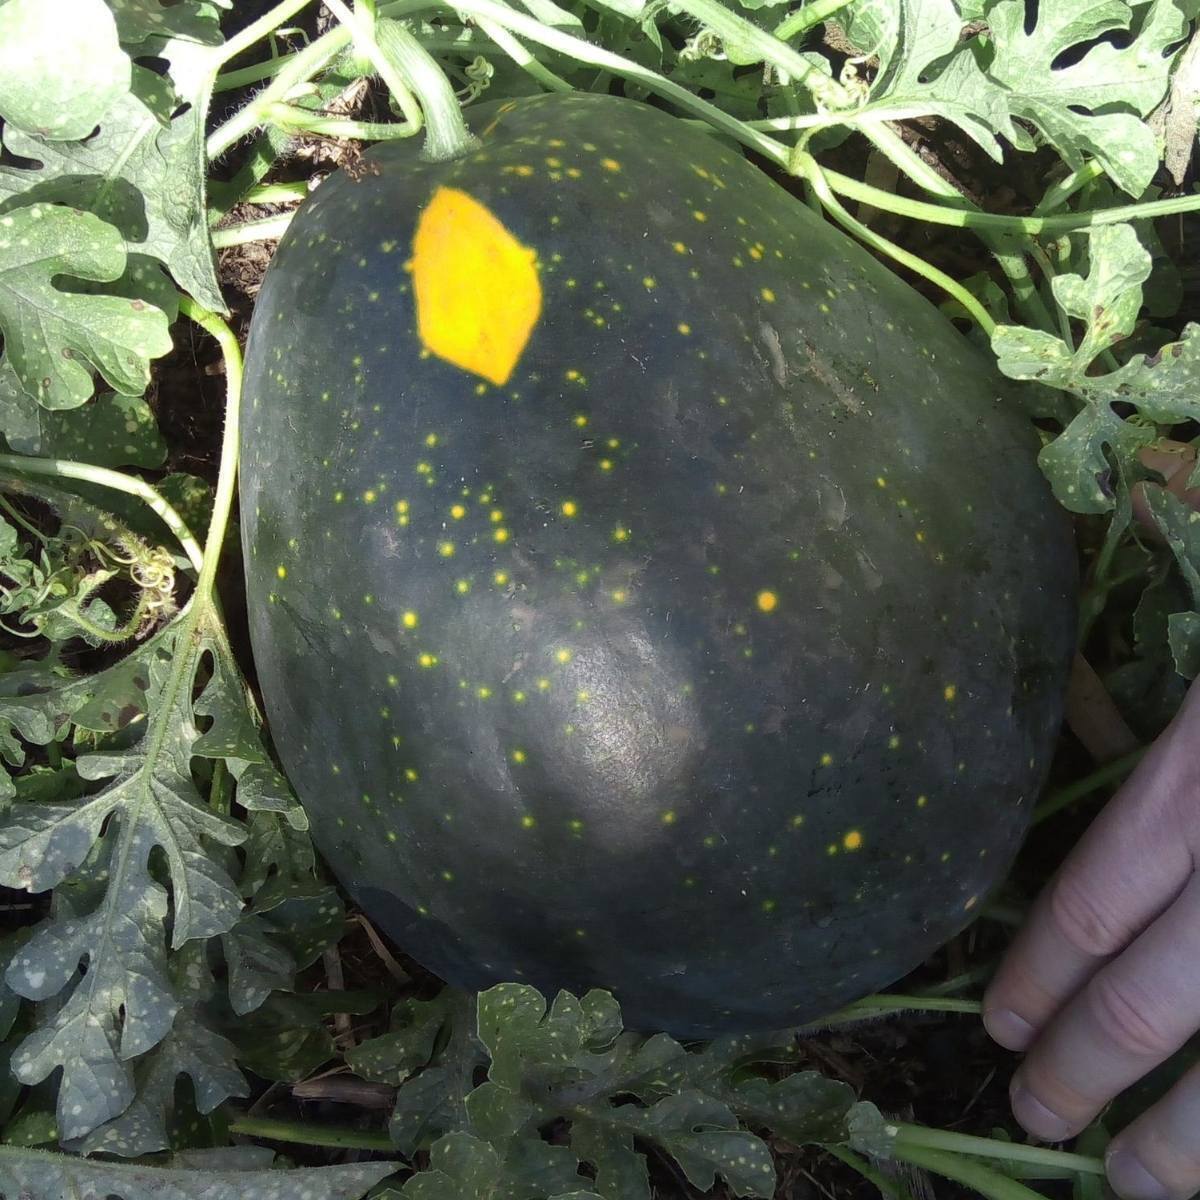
{"x": 1004, "y": 1026}
{"x": 1036, "y": 1118}
{"x": 1130, "y": 1179}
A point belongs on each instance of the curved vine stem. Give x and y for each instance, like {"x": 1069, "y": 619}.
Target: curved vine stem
{"x": 910, "y": 1136}
{"x": 962, "y": 1170}
{"x": 816, "y": 177}
{"x": 227, "y": 478}
{"x": 362, "y": 32}
{"x": 257, "y": 30}
{"x": 130, "y": 484}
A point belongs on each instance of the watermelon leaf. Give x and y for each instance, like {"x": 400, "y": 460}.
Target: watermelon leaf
{"x": 38, "y": 1173}
{"x": 1162, "y": 385}
{"x": 61, "y": 66}
{"x": 188, "y": 20}
{"x": 137, "y": 173}
{"x": 1093, "y": 106}
{"x": 50, "y": 334}
{"x": 926, "y": 68}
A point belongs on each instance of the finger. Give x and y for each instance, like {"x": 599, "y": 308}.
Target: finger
{"x": 1174, "y": 461}
{"x": 1131, "y": 1016}
{"x": 1158, "y": 1156}
{"x": 1128, "y": 867}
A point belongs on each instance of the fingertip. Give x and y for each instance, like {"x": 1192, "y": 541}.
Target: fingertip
{"x": 1007, "y": 1029}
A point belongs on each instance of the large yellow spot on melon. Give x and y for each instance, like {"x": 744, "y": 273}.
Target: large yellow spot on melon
{"x": 477, "y": 288}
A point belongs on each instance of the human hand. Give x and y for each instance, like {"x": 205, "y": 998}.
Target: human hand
{"x": 1103, "y": 982}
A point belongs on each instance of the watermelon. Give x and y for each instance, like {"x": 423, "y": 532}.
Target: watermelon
{"x": 648, "y": 589}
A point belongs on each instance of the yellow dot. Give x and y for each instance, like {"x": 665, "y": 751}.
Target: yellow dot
{"x": 649, "y": 283}
{"x": 410, "y": 620}
{"x": 457, "y": 512}
{"x": 402, "y": 506}
{"x": 543, "y": 685}
{"x": 427, "y": 661}
{"x": 950, "y": 691}
{"x": 393, "y": 680}
{"x": 684, "y": 327}
{"x": 894, "y": 742}
{"x": 500, "y": 578}
{"x": 679, "y": 247}
{"x": 527, "y": 822}
{"x": 370, "y": 496}
{"x": 699, "y": 215}
{"x": 619, "y": 596}
{"x": 853, "y": 840}
{"x": 610, "y": 164}
{"x": 431, "y": 439}
{"x": 553, "y": 162}
{"x": 573, "y": 374}
{"x": 827, "y": 760}
{"x": 620, "y": 534}
{"x": 768, "y": 295}
{"x": 496, "y": 516}
{"x": 669, "y": 818}
{"x": 755, "y": 252}
{"x": 769, "y": 906}
{"x": 880, "y": 481}
{"x": 569, "y": 508}
{"x": 797, "y": 820}
{"x": 920, "y": 535}
{"x": 281, "y": 571}
{"x": 462, "y": 586}
{"x": 518, "y": 756}
{"x": 580, "y": 420}
{"x": 484, "y": 692}
{"x": 423, "y": 468}
{"x": 519, "y": 697}
{"x": 446, "y": 549}
{"x": 606, "y": 464}
{"x": 767, "y": 601}
{"x": 410, "y": 775}
{"x": 501, "y": 535}
{"x": 562, "y": 656}
{"x": 922, "y": 800}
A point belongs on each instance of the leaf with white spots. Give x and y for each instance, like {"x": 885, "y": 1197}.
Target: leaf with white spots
{"x": 1085, "y": 93}
{"x": 139, "y": 172}
{"x": 1179, "y": 524}
{"x": 148, "y": 804}
{"x": 621, "y": 1172}
{"x": 257, "y": 964}
{"x": 189, "y": 20}
{"x": 191, "y": 1049}
{"x": 36, "y": 1173}
{"x": 805, "y": 1108}
{"x": 704, "y": 1138}
{"x": 109, "y": 430}
{"x": 300, "y": 913}
{"x": 433, "y": 1101}
{"x": 61, "y": 66}
{"x": 1163, "y": 386}
{"x": 461, "y": 1167}
{"x": 408, "y": 1045}
{"x": 51, "y": 335}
